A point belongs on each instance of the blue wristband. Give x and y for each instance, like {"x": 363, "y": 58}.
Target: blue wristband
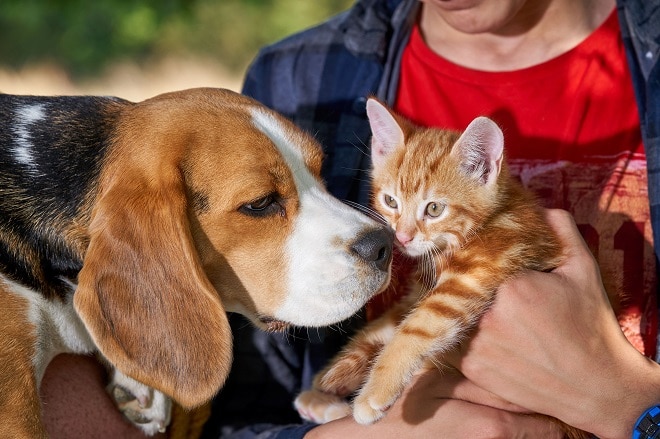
{"x": 648, "y": 425}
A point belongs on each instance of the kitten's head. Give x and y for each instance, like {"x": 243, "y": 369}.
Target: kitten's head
{"x": 435, "y": 187}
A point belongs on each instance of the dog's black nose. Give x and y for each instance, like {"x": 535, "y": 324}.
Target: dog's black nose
{"x": 375, "y": 246}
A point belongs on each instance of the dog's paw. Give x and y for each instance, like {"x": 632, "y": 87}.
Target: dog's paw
{"x": 147, "y": 408}
{"x": 316, "y": 406}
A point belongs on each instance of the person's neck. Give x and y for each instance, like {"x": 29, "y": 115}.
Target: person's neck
{"x": 540, "y": 31}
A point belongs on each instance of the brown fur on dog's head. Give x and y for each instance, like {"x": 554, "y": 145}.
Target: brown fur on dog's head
{"x": 197, "y": 213}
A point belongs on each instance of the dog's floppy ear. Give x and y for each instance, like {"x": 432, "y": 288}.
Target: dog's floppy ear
{"x": 143, "y": 295}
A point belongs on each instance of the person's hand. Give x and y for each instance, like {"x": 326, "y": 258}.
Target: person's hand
{"x": 552, "y": 344}
{"x": 437, "y": 404}
{"x": 76, "y": 404}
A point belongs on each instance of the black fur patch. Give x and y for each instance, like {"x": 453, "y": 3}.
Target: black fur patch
{"x": 51, "y": 152}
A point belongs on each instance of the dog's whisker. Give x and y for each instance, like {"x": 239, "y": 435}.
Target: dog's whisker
{"x": 367, "y": 211}
{"x": 362, "y": 147}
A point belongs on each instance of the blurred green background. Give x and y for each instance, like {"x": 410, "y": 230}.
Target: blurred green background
{"x": 83, "y": 39}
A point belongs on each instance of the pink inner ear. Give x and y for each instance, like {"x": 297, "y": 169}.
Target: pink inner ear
{"x": 386, "y": 132}
{"x": 481, "y": 148}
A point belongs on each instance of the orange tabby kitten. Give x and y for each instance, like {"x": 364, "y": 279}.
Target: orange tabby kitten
{"x": 456, "y": 209}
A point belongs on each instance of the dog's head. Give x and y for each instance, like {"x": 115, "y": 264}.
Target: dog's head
{"x": 209, "y": 203}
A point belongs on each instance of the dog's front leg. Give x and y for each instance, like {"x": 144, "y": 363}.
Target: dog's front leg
{"x": 20, "y": 409}
{"x": 145, "y": 407}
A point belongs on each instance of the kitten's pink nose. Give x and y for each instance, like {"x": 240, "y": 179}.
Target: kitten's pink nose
{"x": 403, "y": 237}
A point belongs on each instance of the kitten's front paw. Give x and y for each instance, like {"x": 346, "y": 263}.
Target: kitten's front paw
{"x": 316, "y": 406}
{"x": 376, "y": 396}
{"x": 147, "y": 408}
{"x": 365, "y": 413}
{"x": 345, "y": 376}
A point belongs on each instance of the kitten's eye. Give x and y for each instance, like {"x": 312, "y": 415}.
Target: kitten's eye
{"x": 434, "y": 210}
{"x": 390, "y": 201}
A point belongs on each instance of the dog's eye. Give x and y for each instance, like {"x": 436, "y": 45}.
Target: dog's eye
{"x": 261, "y": 203}
{"x": 264, "y": 206}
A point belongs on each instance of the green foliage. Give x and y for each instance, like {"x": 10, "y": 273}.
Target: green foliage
{"x": 233, "y": 30}
{"x": 84, "y": 36}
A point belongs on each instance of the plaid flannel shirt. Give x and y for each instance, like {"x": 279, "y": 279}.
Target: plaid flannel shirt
{"x": 320, "y": 78}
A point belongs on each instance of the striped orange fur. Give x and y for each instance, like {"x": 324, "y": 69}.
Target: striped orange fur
{"x": 469, "y": 225}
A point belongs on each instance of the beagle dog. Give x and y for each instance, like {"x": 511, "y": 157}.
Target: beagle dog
{"x": 130, "y": 229}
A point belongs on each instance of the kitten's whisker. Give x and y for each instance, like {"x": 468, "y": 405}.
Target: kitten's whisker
{"x": 428, "y": 275}
{"x": 438, "y": 365}
{"x": 438, "y": 256}
{"x": 445, "y": 255}
{"x": 424, "y": 269}
{"x": 355, "y": 169}
{"x": 469, "y": 235}
{"x": 431, "y": 266}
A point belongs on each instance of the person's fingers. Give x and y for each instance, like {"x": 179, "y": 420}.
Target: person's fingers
{"x": 451, "y": 384}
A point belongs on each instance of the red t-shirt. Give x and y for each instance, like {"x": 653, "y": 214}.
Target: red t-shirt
{"x": 572, "y": 135}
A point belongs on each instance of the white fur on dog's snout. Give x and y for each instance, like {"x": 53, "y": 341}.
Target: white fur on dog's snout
{"x": 327, "y": 281}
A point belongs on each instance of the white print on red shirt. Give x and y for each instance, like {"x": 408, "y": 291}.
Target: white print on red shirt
{"x": 609, "y": 201}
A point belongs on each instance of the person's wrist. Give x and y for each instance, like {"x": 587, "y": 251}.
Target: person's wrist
{"x": 648, "y": 391}
{"x": 648, "y": 424}
{"x": 639, "y": 390}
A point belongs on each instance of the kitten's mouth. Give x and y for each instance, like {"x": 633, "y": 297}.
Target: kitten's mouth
{"x": 409, "y": 250}
{"x": 402, "y": 247}
{"x": 415, "y": 251}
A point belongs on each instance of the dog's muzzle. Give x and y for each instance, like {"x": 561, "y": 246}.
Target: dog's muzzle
{"x": 375, "y": 247}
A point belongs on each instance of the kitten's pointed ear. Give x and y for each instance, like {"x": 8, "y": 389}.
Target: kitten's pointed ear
{"x": 480, "y": 150}
{"x": 386, "y": 131}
